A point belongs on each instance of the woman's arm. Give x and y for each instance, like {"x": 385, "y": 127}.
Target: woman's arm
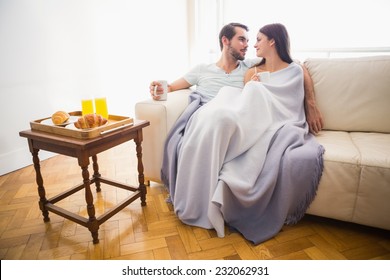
{"x": 250, "y": 75}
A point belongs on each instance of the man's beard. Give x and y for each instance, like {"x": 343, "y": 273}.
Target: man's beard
{"x": 237, "y": 55}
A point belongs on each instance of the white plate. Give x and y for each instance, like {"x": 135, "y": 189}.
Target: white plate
{"x": 72, "y": 119}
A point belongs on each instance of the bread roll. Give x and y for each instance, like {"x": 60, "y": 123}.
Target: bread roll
{"x": 90, "y": 121}
{"x": 60, "y": 117}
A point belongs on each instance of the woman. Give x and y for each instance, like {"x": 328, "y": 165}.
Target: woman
{"x": 273, "y": 45}
{"x": 246, "y": 158}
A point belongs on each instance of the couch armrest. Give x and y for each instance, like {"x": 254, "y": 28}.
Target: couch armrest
{"x": 161, "y": 115}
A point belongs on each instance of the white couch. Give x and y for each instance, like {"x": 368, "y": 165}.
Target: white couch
{"x": 353, "y": 95}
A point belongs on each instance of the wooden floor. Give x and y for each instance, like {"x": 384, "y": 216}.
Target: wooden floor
{"x": 152, "y": 232}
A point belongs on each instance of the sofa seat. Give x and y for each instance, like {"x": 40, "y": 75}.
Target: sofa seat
{"x": 352, "y": 162}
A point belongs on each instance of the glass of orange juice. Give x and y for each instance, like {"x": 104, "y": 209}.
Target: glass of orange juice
{"x": 87, "y": 106}
{"x": 101, "y": 107}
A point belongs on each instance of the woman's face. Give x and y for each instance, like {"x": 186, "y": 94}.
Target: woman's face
{"x": 263, "y": 45}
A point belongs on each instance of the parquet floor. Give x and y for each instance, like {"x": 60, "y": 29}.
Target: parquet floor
{"x": 152, "y": 232}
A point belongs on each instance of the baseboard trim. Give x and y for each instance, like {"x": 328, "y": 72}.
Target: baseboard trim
{"x": 18, "y": 159}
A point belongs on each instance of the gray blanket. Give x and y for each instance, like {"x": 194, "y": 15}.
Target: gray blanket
{"x": 244, "y": 159}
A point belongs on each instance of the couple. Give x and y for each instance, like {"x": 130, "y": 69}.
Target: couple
{"x": 243, "y": 155}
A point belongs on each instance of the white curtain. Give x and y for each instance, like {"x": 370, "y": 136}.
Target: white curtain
{"x": 311, "y": 24}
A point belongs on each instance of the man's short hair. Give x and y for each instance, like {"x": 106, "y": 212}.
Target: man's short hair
{"x": 229, "y": 31}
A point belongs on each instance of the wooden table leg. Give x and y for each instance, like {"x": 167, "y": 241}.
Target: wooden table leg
{"x": 92, "y": 222}
{"x": 96, "y": 174}
{"x": 140, "y": 166}
{"x": 41, "y": 188}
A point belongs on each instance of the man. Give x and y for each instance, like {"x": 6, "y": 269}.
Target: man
{"x": 230, "y": 69}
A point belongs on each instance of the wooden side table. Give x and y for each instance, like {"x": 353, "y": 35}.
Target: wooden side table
{"x": 83, "y": 150}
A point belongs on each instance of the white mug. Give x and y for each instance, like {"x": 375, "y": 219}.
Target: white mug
{"x": 164, "y": 85}
{"x": 264, "y": 77}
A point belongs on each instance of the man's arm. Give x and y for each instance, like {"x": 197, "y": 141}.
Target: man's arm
{"x": 313, "y": 114}
{"x": 176, "y": 85}
{"x": 179, "y": 84}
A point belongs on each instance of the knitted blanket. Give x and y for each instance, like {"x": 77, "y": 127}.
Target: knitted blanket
{"x": 245, "y": 159}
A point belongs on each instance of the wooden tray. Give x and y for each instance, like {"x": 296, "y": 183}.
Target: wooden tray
{"x": 114, "y": 123}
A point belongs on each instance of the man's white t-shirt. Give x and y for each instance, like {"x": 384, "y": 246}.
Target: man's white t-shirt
{"x": 209, "y": 78}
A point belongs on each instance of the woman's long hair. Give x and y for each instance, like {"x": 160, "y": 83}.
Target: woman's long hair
{"x": 279, "y": 33}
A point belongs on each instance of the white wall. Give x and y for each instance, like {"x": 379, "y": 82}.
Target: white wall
{"x": 54, "y": 51}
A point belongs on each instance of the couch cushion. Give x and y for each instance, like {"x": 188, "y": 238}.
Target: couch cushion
{"x": 374, "y": 149}
{"x": 340, "y": 178}
{"x": 373, "y": 194}
{"x": 353, "y": 94}
{"x": 339, "y": 147}
{"x": 355, "y": 184}
{"x": 372, "y": 198}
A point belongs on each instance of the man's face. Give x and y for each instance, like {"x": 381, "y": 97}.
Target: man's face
{"x": 238, "y": 45}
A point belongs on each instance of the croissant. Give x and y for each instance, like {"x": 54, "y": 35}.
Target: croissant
{"x": 60, "y": 117}
{"x": 90, "y": 121}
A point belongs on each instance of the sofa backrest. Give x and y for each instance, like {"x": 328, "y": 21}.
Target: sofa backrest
{"x": 353, "y": 94}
